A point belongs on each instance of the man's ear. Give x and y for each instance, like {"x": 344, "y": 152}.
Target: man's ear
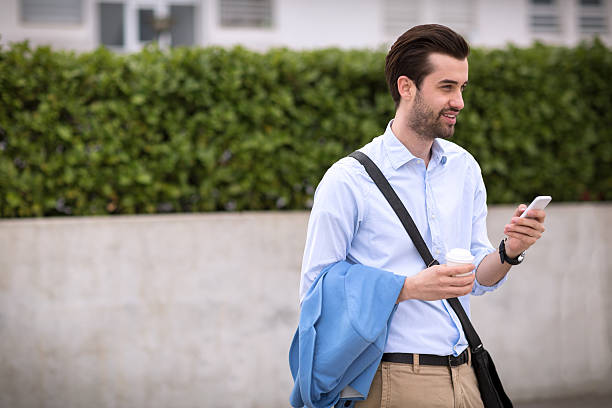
{"x": 405, "y": 87}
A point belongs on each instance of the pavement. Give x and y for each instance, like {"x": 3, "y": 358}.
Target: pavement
{"x": 587, "y": 401}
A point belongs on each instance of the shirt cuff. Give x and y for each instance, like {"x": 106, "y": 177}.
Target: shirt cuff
{"x": 478, "y": 289}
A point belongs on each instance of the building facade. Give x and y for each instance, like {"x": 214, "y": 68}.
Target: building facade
{"x": 128, "y": 25}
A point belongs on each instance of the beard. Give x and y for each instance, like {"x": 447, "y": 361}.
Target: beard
{"x": 426, "y": 123}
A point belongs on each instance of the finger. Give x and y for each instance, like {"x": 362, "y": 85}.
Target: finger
{"x": 525, "y": 240}
{"x": 528, "y": 222}
{"x": 466, "y": 290}
{"x": 536, "y": 230}
{"x": 519, "y": 210}
{"x": 531, "y": 229}
{"x": 458, "y": 270}
{"x": 528, "y": 231}
{"x": 462, "y": 281}
{"x": 538, "y": 215}
{"x": 520, "y": 235}
{"x": 458, "y": 281}
{"x": 460, "y": 291}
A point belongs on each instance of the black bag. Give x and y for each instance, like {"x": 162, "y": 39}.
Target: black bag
{"x": 491, "y": 390}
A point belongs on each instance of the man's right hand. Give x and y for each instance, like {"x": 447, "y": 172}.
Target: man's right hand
{"x": 438, "y": 282}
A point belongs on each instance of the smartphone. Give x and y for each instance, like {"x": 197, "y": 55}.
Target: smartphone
{"x": 538, "y": 203}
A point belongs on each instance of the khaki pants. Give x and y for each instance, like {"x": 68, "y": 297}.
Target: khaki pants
{"x": 398, "y": 385}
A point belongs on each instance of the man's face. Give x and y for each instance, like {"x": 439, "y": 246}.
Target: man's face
{"x": 434, "y": 109}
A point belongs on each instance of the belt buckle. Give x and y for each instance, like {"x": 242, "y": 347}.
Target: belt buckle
{"x": 456, "y": 360}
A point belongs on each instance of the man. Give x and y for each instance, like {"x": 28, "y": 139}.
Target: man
{"x": 441, "y": 186}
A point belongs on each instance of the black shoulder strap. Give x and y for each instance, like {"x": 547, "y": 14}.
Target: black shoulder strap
{"x": 395, "y": 202}
{"x": 385, "y": 188}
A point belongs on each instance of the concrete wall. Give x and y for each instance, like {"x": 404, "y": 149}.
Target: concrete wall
{"x": 549, "y": 327}
{"x": 199, "y": 310}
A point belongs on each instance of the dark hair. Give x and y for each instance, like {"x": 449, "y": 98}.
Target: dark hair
{"x": 409, "y": 55}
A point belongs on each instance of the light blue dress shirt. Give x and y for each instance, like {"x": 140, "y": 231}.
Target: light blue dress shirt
{"x": 351, "y": 220}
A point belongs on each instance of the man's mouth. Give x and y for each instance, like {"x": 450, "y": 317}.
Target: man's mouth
{"x": 451, "y": 118}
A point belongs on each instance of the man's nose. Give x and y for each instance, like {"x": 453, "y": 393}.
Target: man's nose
{"x": 457, "y": 101}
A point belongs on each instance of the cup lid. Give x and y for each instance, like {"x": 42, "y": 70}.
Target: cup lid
{"x": 459, "y": 255}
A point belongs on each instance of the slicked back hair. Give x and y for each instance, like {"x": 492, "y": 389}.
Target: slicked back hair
{"x": 409, "y": 55}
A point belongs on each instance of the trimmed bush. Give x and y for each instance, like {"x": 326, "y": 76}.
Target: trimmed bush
{"x": 212, "y": 129}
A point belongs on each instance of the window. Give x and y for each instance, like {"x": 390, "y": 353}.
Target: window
{"x": 111, "y": 24}
{"x": 146, "y": 21}
{"x": 400, "y": 15}
{"x": 457, "y": 14}
{"x": 544, "y": 16}
{"x": 246, "y": 13}
{"x": 128, "y": 25}
{"x": 592, "y": 17}
{"x": 51, "y": 11}
{"x": 182, "y": 30}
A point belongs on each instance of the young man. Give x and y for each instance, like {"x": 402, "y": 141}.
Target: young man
{"x": 426, "y": 362}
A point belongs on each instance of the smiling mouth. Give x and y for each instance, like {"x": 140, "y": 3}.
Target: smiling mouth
{"x": 451, "y": 117}
{"x": 450, "y": 113}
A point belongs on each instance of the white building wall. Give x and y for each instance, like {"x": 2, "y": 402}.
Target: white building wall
{"x": 315, "y": 23}
{"x": 300, "y": 24}
{"x": 320, "y": 23}
{"x": 502, "y": 22}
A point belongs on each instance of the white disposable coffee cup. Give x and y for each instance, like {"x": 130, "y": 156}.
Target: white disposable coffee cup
{"x": 458, "y": 257}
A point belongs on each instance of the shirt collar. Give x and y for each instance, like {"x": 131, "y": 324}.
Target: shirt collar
{"x": 399, "y": 155}
{"x": 438, "y": 153}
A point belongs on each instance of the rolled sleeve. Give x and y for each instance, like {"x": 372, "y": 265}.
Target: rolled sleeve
{"x": 479, "y": 289}
{"x": 480, "y": 245}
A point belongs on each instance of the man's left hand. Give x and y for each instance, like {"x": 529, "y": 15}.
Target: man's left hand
{"x": 522, "y": 233}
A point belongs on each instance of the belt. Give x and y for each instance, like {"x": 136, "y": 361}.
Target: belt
{"x": 427, "y": 359}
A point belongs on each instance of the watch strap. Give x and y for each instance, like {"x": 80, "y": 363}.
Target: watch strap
{"x": 504, "y": 256}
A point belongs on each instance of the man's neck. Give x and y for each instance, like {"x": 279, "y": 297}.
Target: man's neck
{"x": 418, "y": 146}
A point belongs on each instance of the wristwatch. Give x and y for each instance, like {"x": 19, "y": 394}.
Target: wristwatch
{"x": 505, "y": 258}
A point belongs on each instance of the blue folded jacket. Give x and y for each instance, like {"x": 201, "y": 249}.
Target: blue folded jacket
{"x": 342, "y": 332}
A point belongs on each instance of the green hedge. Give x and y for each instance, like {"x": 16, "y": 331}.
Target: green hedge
{"x": 229, "y": 129}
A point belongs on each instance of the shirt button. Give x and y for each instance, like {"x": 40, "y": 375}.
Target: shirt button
{"x": 437, "y": 251}
{"x": 433, "y": 216}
